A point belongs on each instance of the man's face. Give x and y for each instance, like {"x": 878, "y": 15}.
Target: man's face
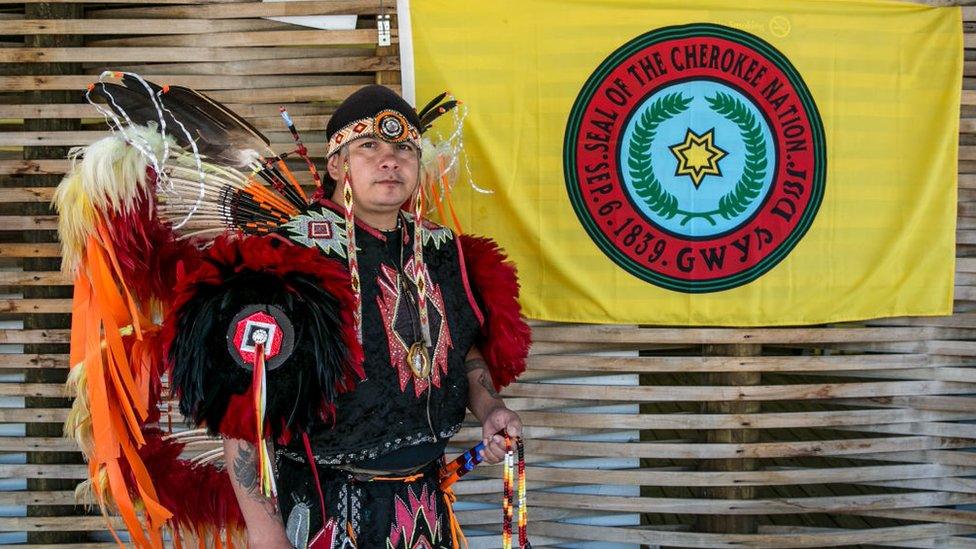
{"x": 384, "y": 175}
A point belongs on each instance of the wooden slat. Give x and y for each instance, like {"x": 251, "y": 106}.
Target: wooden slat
{"x": 77, "y": 138}
{"x": 54, "y": 524}
{"x": 132, "y": 26}
{"x": 738, "y": 451}
{"x": 944, "y": 484}
{"x": 124, "y": 1}
{"x": 29, "y": 223}
{"x": 37, "y": 444}
{"x": 737, "y": 421}
{"x": 570, "y": 364}
{"x": 33, "y": 415}
{"x": 950, "y": 516}
{"x": 84, "y": 110}
{"x": 944, "y": 457}
{"x": 25, "y": 194}
{"x": 37, "y": 498}
{"x": 934, "y": 429}
{"x": 288, "y": 95}
{"x": 745, "y": 507}
{"x": 953, "y": 348}
{"x": 249, "y": 9}
{"x": 745, "y": 393}
{"x": 651, "y": 477}
{"x": 33, "y": 361}
{"x": 81, "y": 138}
{"x": 942, "y": 373}
{"x": 32, "y": 389}
{"x": 252, "y": 39}
{"x": 34, "y": 278}
{"x": 200, "y": 82}
{"x": 35, "y": 306}
{"x": 946, "y": 403}
{"x": 44, "y": 471}
{"x": 719, "y": 541}
{"x": 169, "y": 54}
{"x": 34, "y": 336}
{"x": 274, "y": 66}
{"x": 30, "y": 250}
{"x": 626, "y": 335}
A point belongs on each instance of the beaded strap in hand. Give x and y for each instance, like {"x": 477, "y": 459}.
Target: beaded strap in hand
{"x": 508, "y": 501}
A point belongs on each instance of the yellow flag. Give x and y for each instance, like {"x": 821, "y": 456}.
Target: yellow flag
{"x": 707, "y": 163}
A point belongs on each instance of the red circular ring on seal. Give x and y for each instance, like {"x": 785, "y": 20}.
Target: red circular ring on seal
{"x": 605, "y": 206}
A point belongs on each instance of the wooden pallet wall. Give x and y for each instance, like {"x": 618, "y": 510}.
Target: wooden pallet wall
{"x": 49, "y": 52}
{"x": 854, "y": 434}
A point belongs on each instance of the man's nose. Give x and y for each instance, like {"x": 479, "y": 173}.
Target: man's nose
{"x": 388, "y": 159}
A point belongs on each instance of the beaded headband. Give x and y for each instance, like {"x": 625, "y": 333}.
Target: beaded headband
{"x": 388, "y": 125}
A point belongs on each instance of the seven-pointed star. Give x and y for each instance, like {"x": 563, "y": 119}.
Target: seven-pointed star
{"x": 698, "y": 156}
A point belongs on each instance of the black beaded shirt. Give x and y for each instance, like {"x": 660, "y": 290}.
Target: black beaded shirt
{"x": 392, "y": 409}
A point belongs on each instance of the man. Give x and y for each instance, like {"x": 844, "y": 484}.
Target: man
{"x": 423, "y": 312}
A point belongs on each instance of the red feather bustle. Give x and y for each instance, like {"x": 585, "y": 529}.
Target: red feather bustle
{"x": 505, "y": 337}
{"x": 148, "y": 252}
{"x": 210, "y": 506}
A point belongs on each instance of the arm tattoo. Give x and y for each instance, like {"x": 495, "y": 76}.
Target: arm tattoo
{"x": 484, "y": 377}
{"x": 245, "y": 468}
{"x": 475, "y": 364}
{"x": 485, "y": 380}
{"x": 246, "y": 473}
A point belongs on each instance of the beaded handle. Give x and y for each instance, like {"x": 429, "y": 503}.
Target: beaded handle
{"x": 508, "y": 499}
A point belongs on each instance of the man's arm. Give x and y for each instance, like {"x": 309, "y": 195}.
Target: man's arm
{"x": 487, "y": 405}
{"x": 264, "y": 525}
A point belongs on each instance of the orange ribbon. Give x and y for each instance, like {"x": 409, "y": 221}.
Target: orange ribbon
{"x": 117, "y": 385}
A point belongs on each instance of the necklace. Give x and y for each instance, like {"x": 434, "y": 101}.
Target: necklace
{"x": 418, "y": 358}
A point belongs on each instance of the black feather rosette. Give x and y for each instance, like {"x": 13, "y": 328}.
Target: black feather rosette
{"x": 265, "y": 290}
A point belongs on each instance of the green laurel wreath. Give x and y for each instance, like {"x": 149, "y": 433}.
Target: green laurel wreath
{"x": 665, "y": 204}
{"x": 646, "y": 184}
{"x": 750, "y": 184}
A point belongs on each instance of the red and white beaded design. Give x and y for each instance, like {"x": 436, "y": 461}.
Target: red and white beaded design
{"x": 389, "y": 301}
{"x": 347, "y": 203}
{"x": 388, "y": 125}
{"x": 419, "y": 267}
{"x": 257, "y": 330}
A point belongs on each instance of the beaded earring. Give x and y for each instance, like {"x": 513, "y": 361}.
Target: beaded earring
{"x": 347, "y": 203}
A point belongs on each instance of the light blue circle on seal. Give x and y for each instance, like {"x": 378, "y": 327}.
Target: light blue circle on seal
{"x": 695, "y": 123}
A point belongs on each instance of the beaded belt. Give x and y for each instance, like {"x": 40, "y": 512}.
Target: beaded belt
{"x": 366, "y": 475}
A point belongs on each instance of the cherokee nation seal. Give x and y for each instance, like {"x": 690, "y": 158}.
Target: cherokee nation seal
{"x": 695, "y": 157}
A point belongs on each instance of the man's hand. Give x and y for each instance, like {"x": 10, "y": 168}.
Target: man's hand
{"x": 501, "y": 418}
{"x": 487, "y": 405}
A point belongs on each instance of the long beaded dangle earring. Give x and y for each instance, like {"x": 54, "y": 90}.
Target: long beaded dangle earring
{"x": 347, "y": 203}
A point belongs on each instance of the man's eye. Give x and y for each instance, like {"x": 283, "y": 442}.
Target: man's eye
{"x": 406, "y": 147}
{"x": 368, "y": 144}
